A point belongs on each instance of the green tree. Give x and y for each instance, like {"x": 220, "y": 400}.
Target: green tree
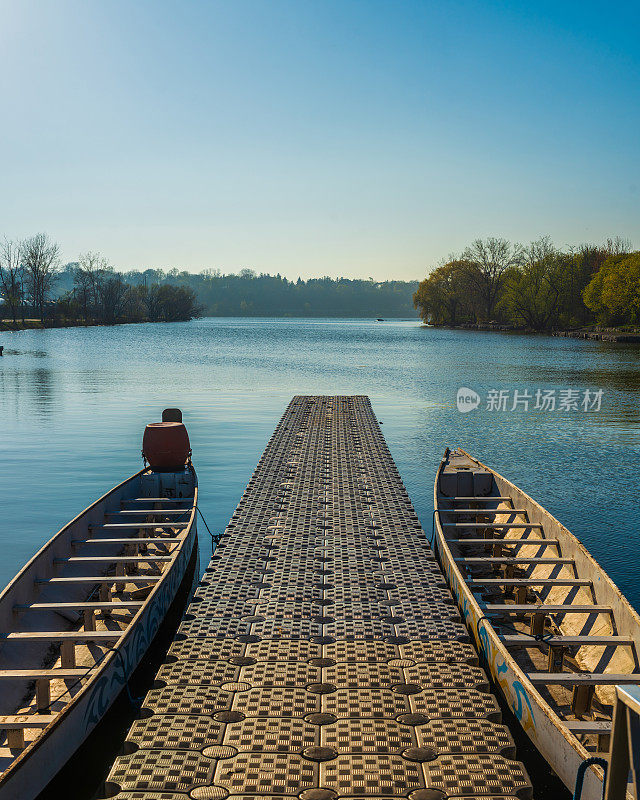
{"x": 445, "y": 297}
{"x": 532, "y": 291}
{"x": 613, "y": 294}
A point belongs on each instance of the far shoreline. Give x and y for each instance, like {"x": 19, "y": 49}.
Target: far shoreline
{"x": 619, "y": 335}
{"x": 593, "y": 333}
{"x": 35, "y": 325}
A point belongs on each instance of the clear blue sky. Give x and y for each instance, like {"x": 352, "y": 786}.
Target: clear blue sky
{"x": 342, "y": 138}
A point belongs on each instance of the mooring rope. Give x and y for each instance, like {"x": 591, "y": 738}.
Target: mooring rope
{"x": 215, "y": 538}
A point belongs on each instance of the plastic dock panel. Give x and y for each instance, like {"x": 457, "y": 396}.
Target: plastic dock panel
{"x": 322, "y": 655}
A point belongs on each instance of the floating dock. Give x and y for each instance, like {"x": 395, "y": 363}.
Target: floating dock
{"x": 322, "y": 655}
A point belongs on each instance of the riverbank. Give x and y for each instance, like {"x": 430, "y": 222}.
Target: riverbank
{"x": 7, "y": 326}
{"x": 622, "y": 334}
{"x": 602, "y": 334}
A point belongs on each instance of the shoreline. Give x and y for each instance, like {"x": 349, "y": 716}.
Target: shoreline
{"x": 597, "y": 333}
{"x": 604, "y": 335}
{"x": 593, "y": 334}
{"x": 36, "y": 325}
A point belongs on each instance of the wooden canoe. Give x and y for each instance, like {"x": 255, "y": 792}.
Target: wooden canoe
{"x": 79, "y": 617}
{"x": 555, "y": 631}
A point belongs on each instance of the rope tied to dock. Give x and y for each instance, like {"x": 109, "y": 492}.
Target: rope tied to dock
{"x": 215, "y": 538}
{"x": 433, "y": 526}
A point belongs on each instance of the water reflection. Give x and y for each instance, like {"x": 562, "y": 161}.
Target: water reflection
{"x": 74, "y": 403}
{"x": 43, "y": 382}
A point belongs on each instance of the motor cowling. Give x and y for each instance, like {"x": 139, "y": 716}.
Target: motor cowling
{"x": 166, "y": 445}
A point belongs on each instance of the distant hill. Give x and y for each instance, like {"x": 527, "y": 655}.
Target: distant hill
{"x": 250, "y": 295}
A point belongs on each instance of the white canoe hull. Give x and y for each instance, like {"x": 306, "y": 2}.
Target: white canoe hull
{"x": 33, "y": 770}
{"x": 560, "y": 748}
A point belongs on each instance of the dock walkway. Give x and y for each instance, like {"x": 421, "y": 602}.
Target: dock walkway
{"x": 322, "y": 655}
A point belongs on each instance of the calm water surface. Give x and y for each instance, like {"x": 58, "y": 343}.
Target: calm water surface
{"x": 74, "y": 404}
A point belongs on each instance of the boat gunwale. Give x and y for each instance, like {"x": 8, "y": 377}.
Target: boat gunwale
{"x": 94, "y": 673}
{"x": 445, "y": 553}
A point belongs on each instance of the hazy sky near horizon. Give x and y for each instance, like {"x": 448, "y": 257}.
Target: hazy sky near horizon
{"x": 355, "y": 138}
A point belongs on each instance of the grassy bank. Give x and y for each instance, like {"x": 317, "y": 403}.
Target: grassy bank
{"x": 623, "y": 333}
{"x": 7, "y": 325}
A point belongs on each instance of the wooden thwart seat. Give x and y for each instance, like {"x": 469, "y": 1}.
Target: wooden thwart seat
{"x": 477, "y": 499}
{"x": 492, "y": 511}
{"x": 101, "y": 579}
{"x": 492, "y": 525}
{"x": 157, "y": 512}
{"x": 549, "y": 608}
{"x": 14, "y": 726}
{"x": 61, "y": 636}
{"x": 129, "y": 540}
{"x": 159, "y": 500}
{"x": 511, "y": 560}
{"x": 508, "y": 542}
{"x": 119, "y": 526}
{"x": 583, "y": 678}
{"x": 26, "y": 721}
{"x": 81, "y": 606}
{"x": 41, "y": 674}
{"x": 577, "y": 726}
{"x": 529, "y": 582}
{"x": 112, "y": 559}
{"x": 522, "y": 640}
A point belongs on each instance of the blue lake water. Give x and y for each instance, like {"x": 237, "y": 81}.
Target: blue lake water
{"x": 74, "y": 404}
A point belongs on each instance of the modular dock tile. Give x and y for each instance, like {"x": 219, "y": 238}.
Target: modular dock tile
{"x": 322, "y": 655}
{"x": 174, "y": 732}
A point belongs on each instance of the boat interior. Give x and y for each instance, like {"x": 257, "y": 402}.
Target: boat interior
{"x": 553, "y": 607}
{"x": 69, "y": 607}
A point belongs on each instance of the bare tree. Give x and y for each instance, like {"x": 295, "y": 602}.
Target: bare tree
{"x": 491, "y": 257}
{"x": 40, "y": 258}
{"x": 11, "y": 276}
{"x": 88, "y": 279}
{"x": 113, "y": 292}
{"x": 618, "y": 246}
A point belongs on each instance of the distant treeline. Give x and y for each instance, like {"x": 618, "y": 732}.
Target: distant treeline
{"x": 248, "y": 294}
{"x": 34, "y": 284}
{"x": 538, "y": 286}
{"x": 101, "y": 294}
